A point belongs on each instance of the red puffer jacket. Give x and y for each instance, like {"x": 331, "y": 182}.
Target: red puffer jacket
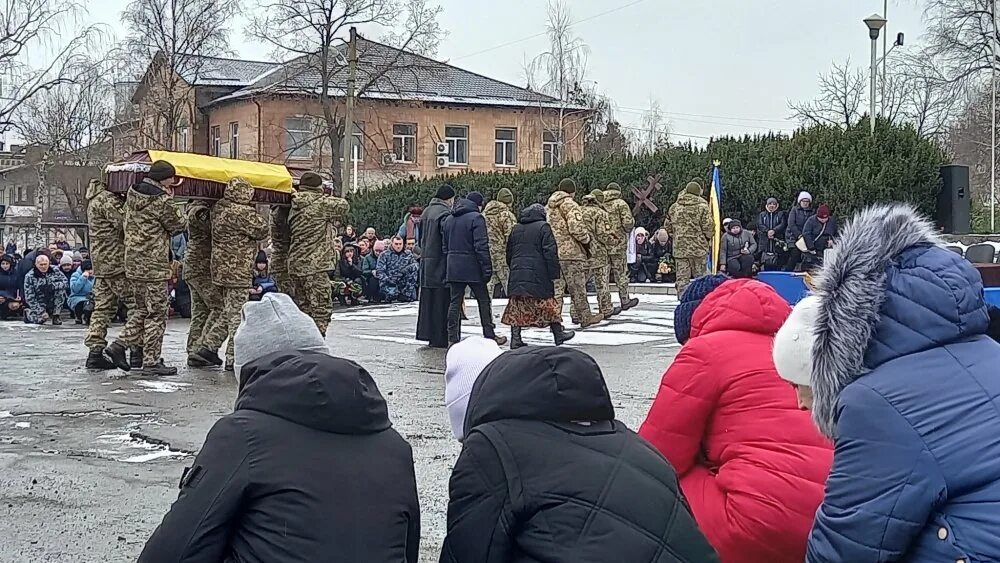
{"x": 752, "y": 465}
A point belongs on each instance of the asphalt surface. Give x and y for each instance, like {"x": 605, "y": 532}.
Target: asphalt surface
{"x": 90, "y": 461}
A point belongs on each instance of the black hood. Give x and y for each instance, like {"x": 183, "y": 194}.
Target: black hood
{"x": 147, "y": 187}
{"x": 465, "y": 206}
{"x": 552, "y": 384}
{"x": 532, "y": 214}
{"x": 315, "y": 390}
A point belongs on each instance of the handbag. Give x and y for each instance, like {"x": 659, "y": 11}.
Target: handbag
{"x": 801, "y": 243}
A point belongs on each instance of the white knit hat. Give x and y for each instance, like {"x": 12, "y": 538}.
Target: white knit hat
{"x": 465, "y": 361}
{"x": 793, "y": 344}
{"x": 273, "y": 324}
{"x": 803, "y": 195}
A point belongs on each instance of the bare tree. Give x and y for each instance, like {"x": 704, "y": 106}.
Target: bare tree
{"x": 561, "y": 73}
{"x": 169, "y": 38}
{"x": 34, "y": 26}
{"x": 314, "y": 33}
{"x": 962, "y": 35}
{"x": 840, "y": 99}
{"x": 654, "y": 131}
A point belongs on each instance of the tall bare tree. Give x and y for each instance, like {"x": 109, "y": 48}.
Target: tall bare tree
{"x": 168, "y": 38}
{"x": 840, "y": 98}
{"x": 962, "y": 34}
{"x": 560, "y": 72}
{"x": 314, "y": 33}
{"x": 654, "y": 130}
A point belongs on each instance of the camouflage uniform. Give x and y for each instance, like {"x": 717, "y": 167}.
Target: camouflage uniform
{"x": 206, "y": 300}
{"x": 500, "y": 222}
{"x": 601, "y": 236}
{"x": 571, "y": 237}
{"x": 151, "y": 218}
{"x": 622, "y": 224}
{"x": 340, "y": 286}
{"x": 236, "y": 230}
{"x": 106, "y": 221}
{"x": 310, "y": 257}
{"x": 690, "y": 224}
{"x": 397, "y": 275}
{"x": 281, "y": 240}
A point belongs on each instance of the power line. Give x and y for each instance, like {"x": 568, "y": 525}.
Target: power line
{"x": 642, "y": 111}
{"x": 646, "y": 130}
{"x": 530, "y": 37}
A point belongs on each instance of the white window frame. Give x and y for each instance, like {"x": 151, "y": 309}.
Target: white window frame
{"x": 183, "y": 133}
{"x": 215, "y": 140}
{"x": 405, "y": 139}
{"x": 358, "y": 140}
{"x": 454, "y": 142}
{"x": 550, "y": 149}
{"x": 234, "y": 139}
{"x": 305, "y": 151}
{"x": 508, "y": 148}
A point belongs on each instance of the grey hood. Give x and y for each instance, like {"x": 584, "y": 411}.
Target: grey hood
{"x": 852, "y": 287}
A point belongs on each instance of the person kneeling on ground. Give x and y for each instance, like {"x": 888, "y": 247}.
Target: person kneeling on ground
{"x": 347, "y": 278}
{"x": 307, "y": 468}
{"x": 751, "y": 463}
{"x": 535, "y": 417}
{"x": 44, "y": 293}
{"x": 396, "y": 270}
{"x": 81, "y": 289}
{"x": 737, "y": 251}
{"x": 892, "y": 356}
{"x": 10, "y": 300}
{"x": 263, "y": 282}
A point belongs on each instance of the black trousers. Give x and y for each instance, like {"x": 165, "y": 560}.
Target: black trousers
{"x": 794, "y": 257}
{"x": 740, "y": 266}
{"x": 80, "y": 313}
{"x": 482, "y": 296}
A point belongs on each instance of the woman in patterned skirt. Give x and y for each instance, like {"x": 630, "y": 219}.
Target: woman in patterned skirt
{"x": 533, "y": 258}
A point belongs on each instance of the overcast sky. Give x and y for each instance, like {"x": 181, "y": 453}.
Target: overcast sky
{"x": 715, "y": 66}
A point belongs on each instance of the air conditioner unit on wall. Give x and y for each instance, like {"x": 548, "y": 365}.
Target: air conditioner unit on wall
{"x": 442, "y": 162}
{"x": 388, "y": 159}
{"x": 442, "y": 149}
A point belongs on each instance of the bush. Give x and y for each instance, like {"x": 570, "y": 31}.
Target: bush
{"x": 846, "y": 169}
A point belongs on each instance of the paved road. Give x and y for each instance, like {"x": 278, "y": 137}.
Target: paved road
{"x": 89, "y": 461}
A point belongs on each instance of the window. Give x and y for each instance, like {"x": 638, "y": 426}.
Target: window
{"x": 298, "y": 132}
{"x": 216, "y": 141}
{"x": 457, "y": 137}
{"x": 234, "y": 139}
{"x": 22, "y": 196}
{"x": 550, "y": 149}
{"x": 506, "y": 147}
{"x": 358, "y": 144}
{"x": 404, "y": 142}
{"x": 182, "y": 138}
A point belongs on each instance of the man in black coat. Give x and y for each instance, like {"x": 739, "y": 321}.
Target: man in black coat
{"x": 466, "y": 247}
{"x": 519, "y": 492}
{"x": 308, "y": 466}
{"x": 435, "y": 296}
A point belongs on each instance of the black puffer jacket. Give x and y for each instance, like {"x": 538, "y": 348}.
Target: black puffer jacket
{"x": 307, "y": 468}
{"x": 466, "y": 245}
{"x": 533, "y": 256}
{"x": 547, "y": 474}
{"x": 9, "y": 288}
{"x": 797, "y": 218}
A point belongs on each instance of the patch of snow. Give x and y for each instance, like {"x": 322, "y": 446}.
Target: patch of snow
{"x": 632, "y": 327}
{"x": 394, "y": 339}
{"x": 118, "y": 391}
{"x": 5, "y": 414}
{"x": 153, "y": 455}
{"x": 162, "y": 386}
{"x": 22, "y": 425}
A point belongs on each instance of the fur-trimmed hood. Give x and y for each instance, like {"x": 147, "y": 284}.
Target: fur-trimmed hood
{"x": 889, "y": 290}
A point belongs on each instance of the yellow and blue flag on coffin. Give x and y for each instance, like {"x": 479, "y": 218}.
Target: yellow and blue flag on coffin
{"x": 715, "y": 206}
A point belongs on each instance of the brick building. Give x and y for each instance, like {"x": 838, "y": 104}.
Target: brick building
{"x": 407, "y": 107}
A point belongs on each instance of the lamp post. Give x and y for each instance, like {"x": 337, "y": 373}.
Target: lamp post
{"x": 875, "y": 24}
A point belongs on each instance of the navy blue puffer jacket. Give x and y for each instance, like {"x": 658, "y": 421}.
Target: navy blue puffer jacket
{"x": 466, "y": 245}
{"x": 908, "y": 385}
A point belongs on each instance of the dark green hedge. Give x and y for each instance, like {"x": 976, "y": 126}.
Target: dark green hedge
{"x": 845, "y": 169}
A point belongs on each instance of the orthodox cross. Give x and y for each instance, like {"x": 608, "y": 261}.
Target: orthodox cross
{"x": 644, "y": 197}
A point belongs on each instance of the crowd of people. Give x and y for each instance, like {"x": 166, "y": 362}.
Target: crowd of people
{"x": 46, "y": 285}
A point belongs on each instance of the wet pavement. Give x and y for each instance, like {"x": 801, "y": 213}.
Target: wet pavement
{"x": 90, "y": 461}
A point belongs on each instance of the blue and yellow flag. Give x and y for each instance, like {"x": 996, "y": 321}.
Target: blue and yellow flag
{"x": 715, "y": 205}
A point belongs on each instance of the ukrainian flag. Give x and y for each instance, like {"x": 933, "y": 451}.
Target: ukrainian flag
{"x": 715, "y": 205}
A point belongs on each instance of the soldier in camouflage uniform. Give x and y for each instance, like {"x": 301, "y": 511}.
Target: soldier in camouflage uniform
{"x": 344, "y": 286}
{"x": 572, "y": 238}
{"x": 500, "y": 222}
{"x": 151, "y": 218}
{"x": 206, "y": 299}
{"x": 310, "y": 257}
{"x": 106, "y": 220}
{"x": 622, "y": 224}
{"x": 601, "y": 236}
{"x": 689, "y": 223}
{"x": 237, "y": 229}
{"x": 281, "y": 240}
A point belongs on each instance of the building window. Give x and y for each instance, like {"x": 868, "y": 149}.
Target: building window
{"x": 457, "y": 137}
{"x": 234, "y": 139}
{"x": 216, "y": 141}
{"x": 182, "y": 138}
{"x": 404, "y": 142}
{"x": 550, "y": 149}
{"x": 506, "y": 147}
{"x": 22, "y": 195}
{"x": 299, "y": 132}
{"x": 358, "y": 144}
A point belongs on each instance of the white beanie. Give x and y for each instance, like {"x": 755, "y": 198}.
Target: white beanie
{"x": 794, "y": 342}
{"x": 466, "y": 360}
{"x": 273, "y": 324}
{"x": 804, "y": 195}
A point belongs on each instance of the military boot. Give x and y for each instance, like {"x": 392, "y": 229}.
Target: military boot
{"x": 560, "y": 334}
{"x": 629, "y": 304}
{"x": 194, "y": 361}
{"x": 209, "y": 357}
{"x": 117, "y": 354}
{"x": 56, "y": 320}
{"x": 592, "y": 320}
{"x": 135, "y": 357}
{"x": 158, "y": 369}
{"x": 515, "y": 338}
{"x": 97, "y": 360}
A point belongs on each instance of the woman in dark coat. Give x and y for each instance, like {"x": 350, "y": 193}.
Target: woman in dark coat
{"x": 546, "y": 473}
{"x": 533, "y": 259}
{"x": 435, "y": 296}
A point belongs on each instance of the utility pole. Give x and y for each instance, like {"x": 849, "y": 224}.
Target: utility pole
{"x": 993, "y": 117}
{"x": 885, "y": 52}
{"x": 347, "y": 142}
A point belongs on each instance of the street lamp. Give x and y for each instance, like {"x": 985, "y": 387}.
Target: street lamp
{"x": 875, "y": 24}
